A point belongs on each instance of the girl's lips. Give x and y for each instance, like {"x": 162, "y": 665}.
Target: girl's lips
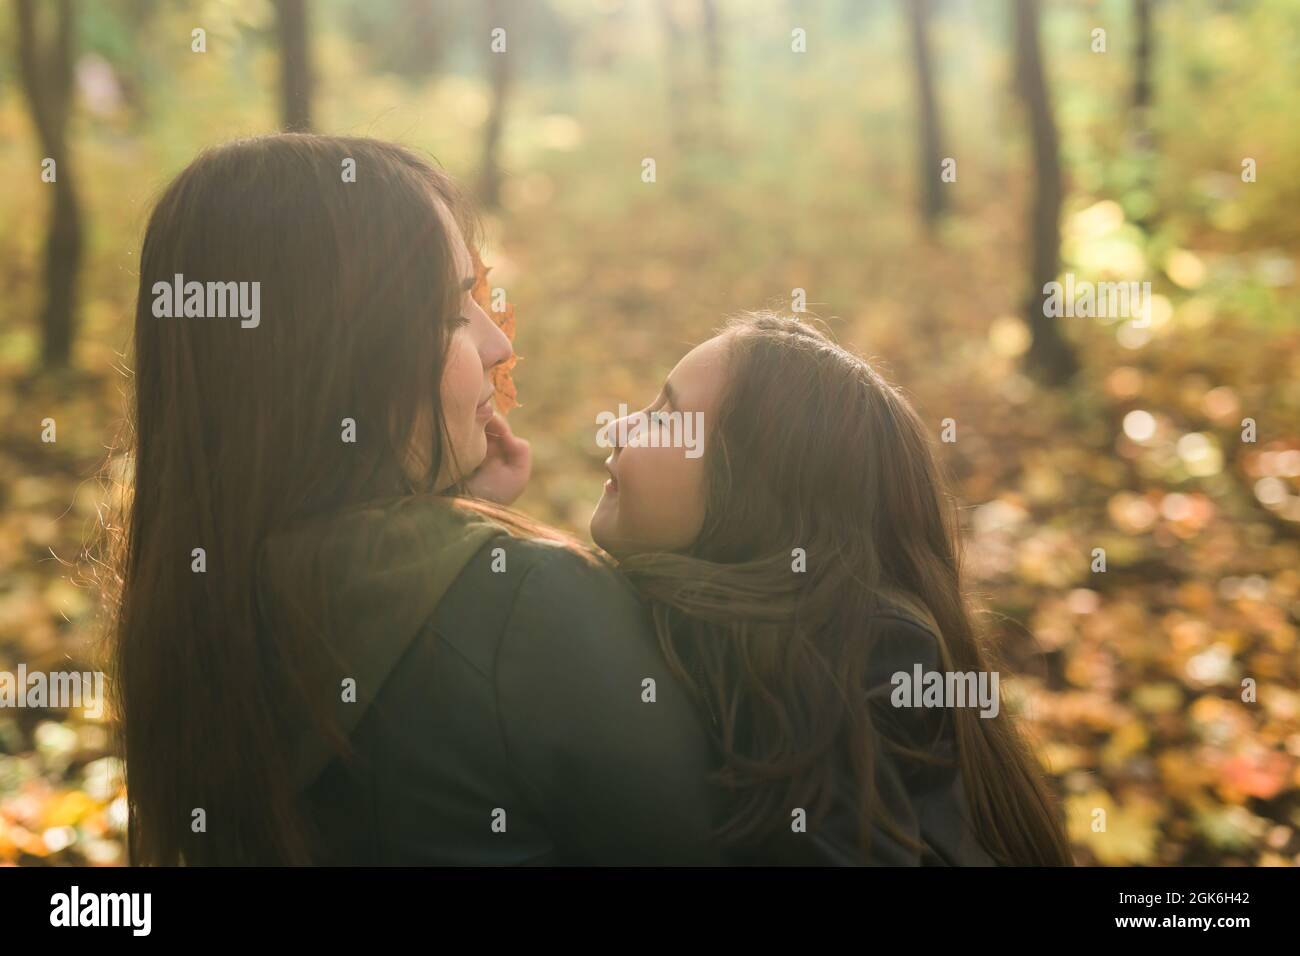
{"x": 485, "y": 409}
{"x": 611, "y": 486}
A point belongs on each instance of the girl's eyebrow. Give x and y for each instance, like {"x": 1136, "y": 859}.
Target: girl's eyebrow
{"x": 467, "y": 285}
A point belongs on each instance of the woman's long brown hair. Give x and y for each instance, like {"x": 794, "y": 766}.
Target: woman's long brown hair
{"x": 237, "y": 432}
{"x": 812, "y": 449}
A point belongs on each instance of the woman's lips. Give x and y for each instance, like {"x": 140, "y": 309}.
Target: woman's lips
{"x": 484, "y": 410}
{"x": 611, "y": 483}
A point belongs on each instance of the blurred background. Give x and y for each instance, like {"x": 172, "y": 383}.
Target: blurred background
{"x": 918, "y": 169}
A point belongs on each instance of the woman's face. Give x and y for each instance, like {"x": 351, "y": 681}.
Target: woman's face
{"x": 655, "y": 497}
{"x": 476, "y": 346}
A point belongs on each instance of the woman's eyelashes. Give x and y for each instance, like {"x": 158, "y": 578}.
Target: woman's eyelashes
{"x": 466, "y": 316}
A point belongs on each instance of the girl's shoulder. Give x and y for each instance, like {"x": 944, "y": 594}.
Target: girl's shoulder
{"x": 904, "y": 649}
{"x": 901, "y": 639}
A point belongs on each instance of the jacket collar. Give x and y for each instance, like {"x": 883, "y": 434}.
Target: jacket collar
{"x": 367, "y": 580}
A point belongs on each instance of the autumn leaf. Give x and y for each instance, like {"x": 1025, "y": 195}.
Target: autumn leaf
{"x": 1117, "y": 834}
{"x": 506, "y": 397}
{"x": 1263, "y": 775}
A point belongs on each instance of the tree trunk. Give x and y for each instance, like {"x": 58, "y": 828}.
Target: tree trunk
{"x": 933, "y": 201}
{"x": 677, "y": 104}
{"x": 1142, "y": 129}
{"x": 46, "y": 71}
{"x": 1142, "y": 56}
{"x": 712, "y": 49}
{"x": 499, "y": 71}
{"x": 1050, "y": 355}
{"x": 295, "y": 65}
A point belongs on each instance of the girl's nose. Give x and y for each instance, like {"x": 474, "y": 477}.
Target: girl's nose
{"x": 619, "y": 433}
{"x": 611, "y": 434}
{"x": 631, "y": 430}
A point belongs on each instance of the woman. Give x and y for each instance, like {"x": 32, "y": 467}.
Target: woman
{"x": 797, "y": 567}
{"x": 322, "y": 653}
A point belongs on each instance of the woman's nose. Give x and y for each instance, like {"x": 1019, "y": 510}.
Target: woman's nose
{"x": 494, "y": 346}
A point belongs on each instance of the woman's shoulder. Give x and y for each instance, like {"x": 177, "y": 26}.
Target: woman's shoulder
{"x": 604, "y": 742}
{"x": 510, "y": 559}
{"x": 552, "y": 593}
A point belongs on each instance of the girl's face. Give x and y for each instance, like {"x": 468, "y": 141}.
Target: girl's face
{"x": 476, "y": 346}
{"x": 655, "y": 497}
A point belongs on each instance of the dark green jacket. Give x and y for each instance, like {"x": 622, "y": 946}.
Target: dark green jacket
{"x": 500, "y": 713}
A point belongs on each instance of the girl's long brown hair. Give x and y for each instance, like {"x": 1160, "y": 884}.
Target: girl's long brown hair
{"x": 237, "y": 432}
{"x": 812, "y": 449}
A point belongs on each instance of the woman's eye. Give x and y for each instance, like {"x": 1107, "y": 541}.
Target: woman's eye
{"x": 460, "y": 322}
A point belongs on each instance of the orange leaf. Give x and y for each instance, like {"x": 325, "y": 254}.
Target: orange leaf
{"x": 505, "y": 319}
{"x": 1256, "y": 775}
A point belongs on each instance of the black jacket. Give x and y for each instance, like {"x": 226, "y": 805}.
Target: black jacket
{"x": 503, "y": 716}
{"x": 924, "y": 798}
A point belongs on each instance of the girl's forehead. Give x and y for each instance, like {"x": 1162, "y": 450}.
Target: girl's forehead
{"x": 706, "y": 358}
{"x": 698, "y": 378}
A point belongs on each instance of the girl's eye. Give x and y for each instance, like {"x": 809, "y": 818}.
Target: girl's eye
{"x": 460, "y": 322}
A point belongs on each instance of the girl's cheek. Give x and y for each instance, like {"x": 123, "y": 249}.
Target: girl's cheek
{"x": 663, "y": 495}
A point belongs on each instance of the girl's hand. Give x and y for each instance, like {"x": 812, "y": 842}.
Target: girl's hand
{"x": 506, "y": 467}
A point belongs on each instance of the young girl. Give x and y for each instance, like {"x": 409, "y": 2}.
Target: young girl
{"x": 794, "y": 569}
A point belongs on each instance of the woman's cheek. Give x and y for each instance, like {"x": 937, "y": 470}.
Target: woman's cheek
{"x": 458, "y": 377}
{"x": 462, "y": 382}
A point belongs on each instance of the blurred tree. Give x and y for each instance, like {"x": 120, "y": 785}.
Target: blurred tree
{"x": 933, "y": 201}
{"x": 499, "y": 73}
{"x": 1142, "y": 55}
{"x": 46, "y": 67}
{"x": 405, "y": 37}
{"x": 672, "y": 37}
{"x": 712, "y": 48}
{"x": 295, "y": 64}
{"x": 1142, "y": 129}
{"x": 123, "y": 34}
{"x": 1049, "y": 355}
